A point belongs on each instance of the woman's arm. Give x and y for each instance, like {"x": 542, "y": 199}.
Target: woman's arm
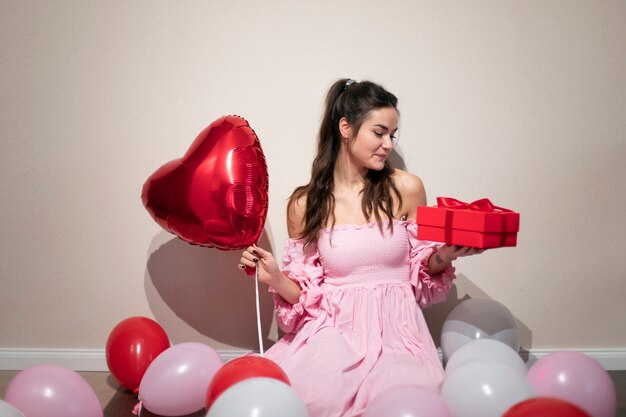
{"x": 269, "y": 270}
{"x": 413, "y": 196}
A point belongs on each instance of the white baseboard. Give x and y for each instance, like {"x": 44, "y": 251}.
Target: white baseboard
{"x": 612, "y": 359}
{"x": 77, "y": 359}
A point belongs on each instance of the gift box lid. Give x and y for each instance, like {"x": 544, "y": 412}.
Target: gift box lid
{"x": 480, "y": 215}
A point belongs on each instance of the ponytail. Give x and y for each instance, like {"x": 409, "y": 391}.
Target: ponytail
{"x": 354, "y": 101}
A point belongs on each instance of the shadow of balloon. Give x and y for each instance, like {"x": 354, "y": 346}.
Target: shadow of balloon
{"x": 436, "y": 314}
{"x": 202, "y": 288}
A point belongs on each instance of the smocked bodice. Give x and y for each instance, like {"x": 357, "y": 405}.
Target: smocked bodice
{"x": 362, "y": 255}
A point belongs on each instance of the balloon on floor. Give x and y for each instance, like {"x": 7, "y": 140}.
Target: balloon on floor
{"x": 484, "y": 388}
{"x": 485, "y": 349}
{"x": 52, "y": 391}
{"x": 545, "y": 407}
{"x": 258, "y": 397}
{"x": 478, "y": 318}
{"x": 239, "y": 369}
{"x": 131, "y": 347}
{"x": 176, "y": 382}
{"x": 576, "y": 378}
{"x": 7, "y": 410}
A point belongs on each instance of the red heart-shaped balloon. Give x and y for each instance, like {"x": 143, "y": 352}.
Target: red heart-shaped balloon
{"x": 216, "y": 194}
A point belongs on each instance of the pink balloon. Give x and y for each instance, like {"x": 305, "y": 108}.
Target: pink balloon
{"x": 52, "y": 391}
{"x": 575, "y": 378}
{"x": 408, "y": 401}
{"x": 177, "y": 380}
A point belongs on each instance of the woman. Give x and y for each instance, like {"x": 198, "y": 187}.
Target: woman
{"x": 354, "y": 274}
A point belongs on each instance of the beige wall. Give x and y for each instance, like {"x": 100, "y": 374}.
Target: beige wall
{"x": 521, "y": 102}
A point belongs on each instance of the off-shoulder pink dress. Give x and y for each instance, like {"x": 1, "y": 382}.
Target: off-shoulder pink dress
{"x": 358, "y": 329}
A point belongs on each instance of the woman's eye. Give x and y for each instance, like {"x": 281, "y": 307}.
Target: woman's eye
{"x": 379, "y": 134}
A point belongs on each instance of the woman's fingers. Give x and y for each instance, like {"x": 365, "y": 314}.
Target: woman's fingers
{"x": 247, "y": 255}
{"x": 460, "y": 250}
{"x": 259, "y": 251}
{"x": 248, "y": 259}
{"x": 455, "y": 251}
{"x": 247, "y": 262}
{"x": 467, "y": 251}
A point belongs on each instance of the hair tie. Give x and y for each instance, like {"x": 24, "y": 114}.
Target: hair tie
{"x": 349, "y": 83}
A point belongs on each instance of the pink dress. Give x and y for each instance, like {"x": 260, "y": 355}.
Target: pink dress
{"x": 358, "y": 329}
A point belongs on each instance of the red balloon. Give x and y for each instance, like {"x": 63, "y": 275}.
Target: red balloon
{"x": 544, "y": 407}
{"x": 131, "y": 347}
{"x": 216, "y": 194}
{"x": 237, "y": 370}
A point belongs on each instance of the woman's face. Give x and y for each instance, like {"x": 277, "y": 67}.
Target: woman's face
{"x": 375, "y": 139}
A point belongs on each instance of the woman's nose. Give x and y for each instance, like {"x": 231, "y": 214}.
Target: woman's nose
{"x": 387, "y": 142}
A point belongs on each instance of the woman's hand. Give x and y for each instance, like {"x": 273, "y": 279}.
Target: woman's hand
{"x": 269, "y": 272}
{"x": 253, "y": 257}
{"x": 450, "y": 253}
{"x": 439, "y": 260}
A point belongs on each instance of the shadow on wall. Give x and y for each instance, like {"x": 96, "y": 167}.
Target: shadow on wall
{"x": 203, "y": 288}
{"x": 396, "y": 161}
{"x": 436, "y": 314}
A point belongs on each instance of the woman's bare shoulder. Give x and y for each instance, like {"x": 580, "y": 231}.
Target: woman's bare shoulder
{"x": 408, "y": 184}
{"x": 407, "y": 180}
{"x": 296, "y": 210}
{"x": 411, "y": 190}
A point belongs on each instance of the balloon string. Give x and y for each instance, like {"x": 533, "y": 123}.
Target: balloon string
{"x": 258, "y": 310}
{"x": 137, "y": 409}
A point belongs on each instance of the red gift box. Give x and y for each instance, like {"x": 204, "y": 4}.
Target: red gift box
{"x": 479, "y": 224}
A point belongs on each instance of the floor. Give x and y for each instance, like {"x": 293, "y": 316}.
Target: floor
{"x": 118, "y": 402}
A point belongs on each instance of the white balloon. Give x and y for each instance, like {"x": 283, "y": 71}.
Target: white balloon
{"x": 485, "y": 349}
{"x": 258, "y": 397}
{"x": 478, "y": 318}
{"x": 7, "y": 410}
{"x": 484, "y": 388}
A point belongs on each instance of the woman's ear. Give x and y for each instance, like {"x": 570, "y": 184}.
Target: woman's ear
{"x": 344, "y": 128}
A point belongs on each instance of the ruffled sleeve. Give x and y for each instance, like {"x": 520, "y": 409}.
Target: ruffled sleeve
{"x": 306, "y": 270}
{"x": 429, "y": 289}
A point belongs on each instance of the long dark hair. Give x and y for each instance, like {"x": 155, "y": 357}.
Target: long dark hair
{"x": 354, "y": 101}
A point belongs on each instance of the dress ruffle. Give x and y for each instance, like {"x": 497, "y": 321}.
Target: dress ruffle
{"x": 306, "y": 271}
{"x": 429, "y": 289}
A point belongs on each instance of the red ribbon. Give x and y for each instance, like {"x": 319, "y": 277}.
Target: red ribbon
{"x": 483, "y": 205}
{"x": 479, "y": 205}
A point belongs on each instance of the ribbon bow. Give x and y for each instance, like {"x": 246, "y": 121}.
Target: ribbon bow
{"x": 479, "y": 205}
